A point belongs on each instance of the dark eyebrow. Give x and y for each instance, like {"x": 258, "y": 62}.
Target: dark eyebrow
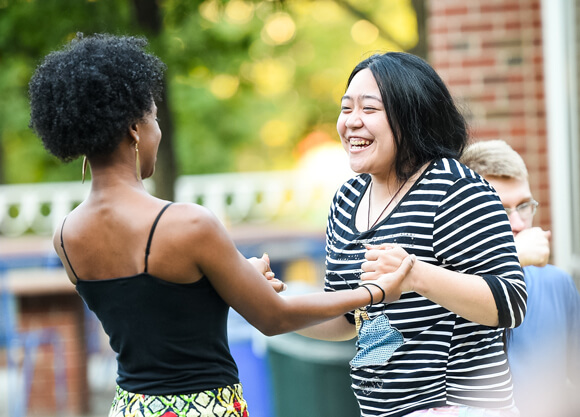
{"x": 364, "y": 96}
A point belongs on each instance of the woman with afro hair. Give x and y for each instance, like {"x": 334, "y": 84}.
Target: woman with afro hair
{"x": 160, "y": 276}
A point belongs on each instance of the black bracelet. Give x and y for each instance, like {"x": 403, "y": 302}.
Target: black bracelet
{"x": 370, "y": 292}
{"x": 378, "y": 286}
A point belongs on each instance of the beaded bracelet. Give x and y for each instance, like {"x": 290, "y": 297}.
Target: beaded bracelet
{"x": 376, "y": 285}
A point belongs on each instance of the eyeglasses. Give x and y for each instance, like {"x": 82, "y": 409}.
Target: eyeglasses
{"x": 525, "y": 210}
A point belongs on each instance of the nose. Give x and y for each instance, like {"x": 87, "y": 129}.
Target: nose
{"x": 353, "y": 120}
{"x": 516, "y": 222}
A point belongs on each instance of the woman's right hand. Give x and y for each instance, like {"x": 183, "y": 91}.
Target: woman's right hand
{"x": 389, "y": 265}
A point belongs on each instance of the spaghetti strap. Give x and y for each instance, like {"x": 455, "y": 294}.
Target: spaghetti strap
{"x": 147, "y": 251}
{"x": 64, "y": 250}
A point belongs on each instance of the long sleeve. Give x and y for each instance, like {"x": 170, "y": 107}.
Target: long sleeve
{"x": 472, "y": 234}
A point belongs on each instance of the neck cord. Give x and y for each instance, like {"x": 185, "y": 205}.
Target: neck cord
{"x": 385, "y": 209}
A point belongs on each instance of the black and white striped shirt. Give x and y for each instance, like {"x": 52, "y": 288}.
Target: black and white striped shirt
{"x": 451, "y": 217}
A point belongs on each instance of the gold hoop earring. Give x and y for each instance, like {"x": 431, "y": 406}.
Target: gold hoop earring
{"x": 137, "y": 162}
{"x": 84, "y": 169}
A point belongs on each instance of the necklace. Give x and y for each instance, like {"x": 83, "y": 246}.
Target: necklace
{"x": 385, "y": 209}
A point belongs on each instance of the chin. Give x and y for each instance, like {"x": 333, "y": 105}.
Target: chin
{"x": 357, "y": 168}
{"x": 146, "y": 175}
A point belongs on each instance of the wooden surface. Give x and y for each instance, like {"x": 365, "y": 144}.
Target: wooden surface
{"x": 38, "y": 281}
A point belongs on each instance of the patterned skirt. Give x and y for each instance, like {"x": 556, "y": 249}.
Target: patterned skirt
{"x": 220, "y": 402}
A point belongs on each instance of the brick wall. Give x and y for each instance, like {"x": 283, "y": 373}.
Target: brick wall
{"x": 65, "y": 313}
{"x": 489, "y": 52}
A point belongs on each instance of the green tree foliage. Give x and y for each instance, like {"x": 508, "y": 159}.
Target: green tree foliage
{"x": 252, "y": 85}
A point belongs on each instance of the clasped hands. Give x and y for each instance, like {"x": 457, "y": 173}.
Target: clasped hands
{"x": 263, "y": 266}
{"x": 390, "y": 265}
{"x": 387, "y": 263}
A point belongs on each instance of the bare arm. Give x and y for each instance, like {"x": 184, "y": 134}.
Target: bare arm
{"x": 468, "y": 296}
{"x": 336, "y": 330}
{"x": 245, "y": 289}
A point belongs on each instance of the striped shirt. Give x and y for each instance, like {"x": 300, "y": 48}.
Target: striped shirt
{"x": 451, "y": 217}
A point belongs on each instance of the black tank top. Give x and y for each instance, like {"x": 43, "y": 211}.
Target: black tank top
{"x": 169, "y": 338}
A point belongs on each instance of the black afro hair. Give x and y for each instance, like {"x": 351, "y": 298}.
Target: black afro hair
{"x": 84, "y": 97}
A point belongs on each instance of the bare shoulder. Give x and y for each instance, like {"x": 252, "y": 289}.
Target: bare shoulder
{"x": 58, "y": 245}
{"x": 191, "y": 215}
{"x": 192, "y": 221}
{"x": 56, "y": 239}
{"x": 183, "y": 241}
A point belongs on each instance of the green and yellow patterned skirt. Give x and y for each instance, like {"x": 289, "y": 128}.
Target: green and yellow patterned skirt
{"x": 219, "y": 402}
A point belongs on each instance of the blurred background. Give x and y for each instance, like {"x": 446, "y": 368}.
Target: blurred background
{"x": 253, "y": 93}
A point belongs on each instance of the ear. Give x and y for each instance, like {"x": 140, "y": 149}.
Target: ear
{"x": 134, "y": 132}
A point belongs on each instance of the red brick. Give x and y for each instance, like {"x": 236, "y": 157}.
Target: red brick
{"x": 441, "y": 64}
{"x": 500, "y": 43}
{"x": 504, "y": 6}
{"x": 455, "y": 11}
{"x": 485, "y": 133}
{"x": 64, "y": 313}
{"x": 513, "y": 25}
{"x": 487, "y": 97}
{"x": 495, "y": 79}
{"x": 543, "y": 133}
{"x": 516, "y": 95}
{"x": 438, "y": 29}
{"x": 520, "y": 131}
{"x": 478, "y": 62}
{"x": 477, "y": 27}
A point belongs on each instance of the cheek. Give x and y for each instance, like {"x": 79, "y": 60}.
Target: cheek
{"x": 378, "y": 127}
{"x": 341, "y": 126}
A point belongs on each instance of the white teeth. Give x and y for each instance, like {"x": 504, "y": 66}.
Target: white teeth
{"x": 360, "y": 142}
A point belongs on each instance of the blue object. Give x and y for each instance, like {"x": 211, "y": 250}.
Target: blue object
{"x": 251, "y": 357}
{"x": 15, "y": 341}
{"x": 377, "y": 341}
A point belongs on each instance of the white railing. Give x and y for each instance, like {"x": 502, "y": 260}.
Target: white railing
{"x": 37, "y": 208}
{"x": 259, "y": 197}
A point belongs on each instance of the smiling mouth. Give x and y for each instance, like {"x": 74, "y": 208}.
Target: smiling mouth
{"x": 359, "y": 143}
